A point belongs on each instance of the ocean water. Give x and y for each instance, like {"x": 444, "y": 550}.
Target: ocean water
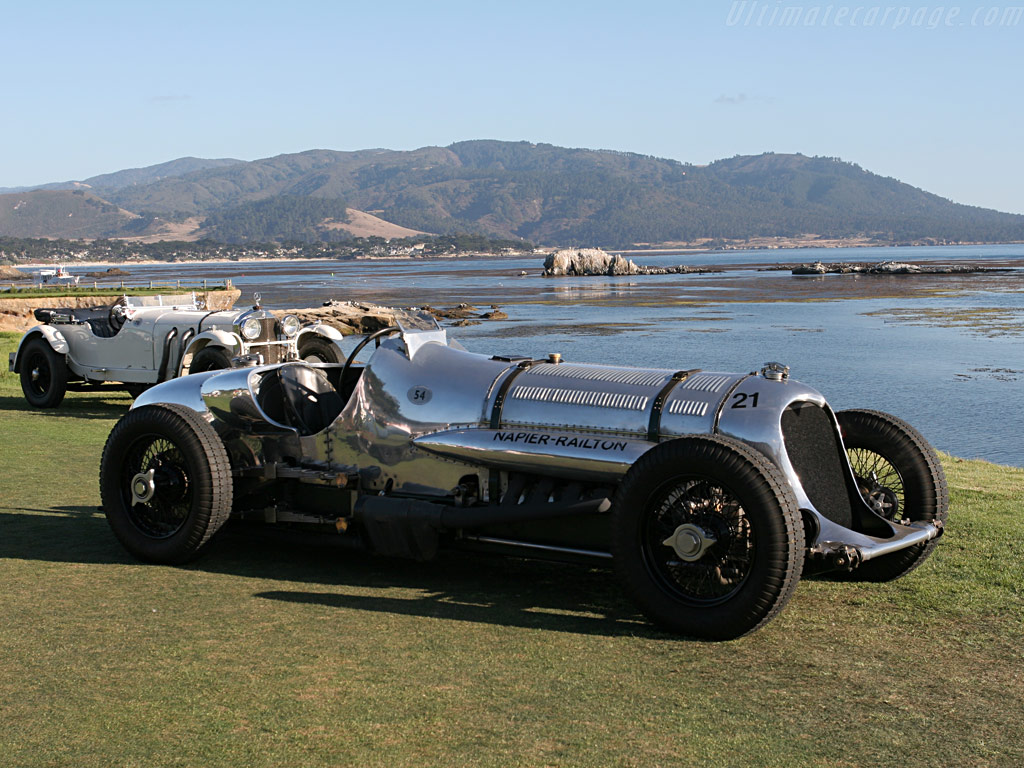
{"x": 945, "y": 353}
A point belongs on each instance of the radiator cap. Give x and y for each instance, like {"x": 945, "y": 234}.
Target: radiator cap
{"x": 775, "y": 371}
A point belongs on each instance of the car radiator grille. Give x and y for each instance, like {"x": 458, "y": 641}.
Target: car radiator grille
{"x": 272, "y": 353}
{"x": 268, "y": 330}
{"x": 815, "y": 452}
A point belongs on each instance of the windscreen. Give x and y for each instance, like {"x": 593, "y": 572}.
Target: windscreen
{"x": 413, "y": 319}
{"x": 180, "y": 300}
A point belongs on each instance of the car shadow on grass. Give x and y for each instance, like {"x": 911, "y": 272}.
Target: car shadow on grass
{"x": 456, "y": 586}
{"x": 93, "y": 406}
{"x": 67, "y": 534}
{"x": 529, "y": 606}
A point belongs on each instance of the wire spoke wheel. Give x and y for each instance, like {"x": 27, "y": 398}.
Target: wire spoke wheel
{"x": 709, "y": 513}
{"x": 880, "y": 483}
{"x": 163, "y": 511}
{"x": 165, "y": 480}
{"x": 707, "y": 537}
{"x": 900, "y": 479}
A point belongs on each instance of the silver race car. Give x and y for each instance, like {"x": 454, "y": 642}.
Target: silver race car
{"x": 709, "y": 493}
{"x": 142, "y": 340}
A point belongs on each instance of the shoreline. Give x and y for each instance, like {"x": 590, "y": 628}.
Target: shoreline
{"x": 788, "y": 244}
{"x": 764, "y": 266}
{"x": 683, "y": 250}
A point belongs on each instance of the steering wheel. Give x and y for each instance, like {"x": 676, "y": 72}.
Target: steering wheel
{"x": 118, "y": 314}
{"x": 376, "y": 335}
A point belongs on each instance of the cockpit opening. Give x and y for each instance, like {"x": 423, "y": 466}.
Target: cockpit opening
{"x": 308, "y": 398}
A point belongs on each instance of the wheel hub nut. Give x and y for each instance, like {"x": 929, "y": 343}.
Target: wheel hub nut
{"x": 689, "y": 542}
{"x": 143, "y": 487}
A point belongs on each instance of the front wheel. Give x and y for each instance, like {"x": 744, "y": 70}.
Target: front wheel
{"x": 707, "y": 537}
{"x": 210, "y": 359}
{"x": 44, "y": 374}
{"x": 165, "y": 482}
{"x": 900, "y": 478}
{"x": 319, "y": 350}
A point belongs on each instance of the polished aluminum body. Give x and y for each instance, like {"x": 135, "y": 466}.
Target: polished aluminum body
{"x": 426, "y": 415}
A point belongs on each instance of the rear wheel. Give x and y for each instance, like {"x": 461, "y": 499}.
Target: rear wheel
{"x": 900, "y": 477}
{"x": 210, "y": 359}
{"x": 44, "y": 374}
{"x": 165, "y": 481}
{"x": 707, "y": 537}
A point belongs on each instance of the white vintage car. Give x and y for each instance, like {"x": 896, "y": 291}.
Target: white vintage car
{"x": 139, "y": 341}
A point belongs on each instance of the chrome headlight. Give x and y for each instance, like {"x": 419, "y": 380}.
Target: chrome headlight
{"x": 290, "y": 325}
{"x": 251, "y": 328}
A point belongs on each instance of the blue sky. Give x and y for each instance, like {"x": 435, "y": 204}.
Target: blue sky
{"x": 928, "y": 94}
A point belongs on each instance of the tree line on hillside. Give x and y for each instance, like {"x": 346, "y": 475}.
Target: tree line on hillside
{"x": 16, "y": 251}
{"x": 281, "y": 218}
{"x": 626, "y": 200}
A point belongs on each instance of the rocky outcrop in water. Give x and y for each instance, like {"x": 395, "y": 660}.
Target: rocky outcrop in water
{"x": 10, "y": 273}
{"x": 108, "y": 273}
{"x": 888, "y": 268}
{"x": 356, "y": 317}
{"x": 594, "y": 261}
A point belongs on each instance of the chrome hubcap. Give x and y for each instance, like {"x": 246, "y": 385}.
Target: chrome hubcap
{"x": 689, "y": 542}
{"x": 35, "y": 374}
{"x": 880, "y": 499}
{"x": 143, "y": 487}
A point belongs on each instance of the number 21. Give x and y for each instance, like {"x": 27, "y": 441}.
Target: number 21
{"x": 741, "y": 400}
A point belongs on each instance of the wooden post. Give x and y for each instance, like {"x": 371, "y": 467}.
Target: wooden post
{"x": 204, "y": 283}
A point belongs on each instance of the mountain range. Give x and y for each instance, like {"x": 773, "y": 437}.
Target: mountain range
{"x": 536, "y": 192}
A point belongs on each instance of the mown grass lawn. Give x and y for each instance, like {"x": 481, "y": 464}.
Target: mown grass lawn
{"x": 280, "y": 652}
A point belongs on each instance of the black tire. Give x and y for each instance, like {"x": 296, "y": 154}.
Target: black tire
{"x": 319, "y": 350}
{"x": 735, "y": 498}
{"x": 210, "y": 359}
{"x": 187, "y": 495}
{"x": 44, "y": 374}
{"x": 900, "y": 477}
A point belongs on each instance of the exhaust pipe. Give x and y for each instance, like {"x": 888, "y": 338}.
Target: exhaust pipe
{"x": 186, "y": 337}
{"x": 409, "y": 527}
{"x": 162, "y": 374}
